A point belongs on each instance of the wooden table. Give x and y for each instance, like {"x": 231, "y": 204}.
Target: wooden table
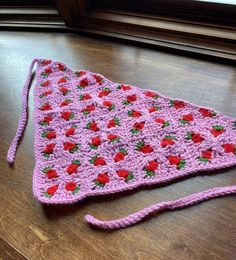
{"x": 29, "y": 229}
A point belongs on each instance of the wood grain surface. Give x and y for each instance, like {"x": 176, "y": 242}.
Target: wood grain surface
{"x": 30, "y": 230}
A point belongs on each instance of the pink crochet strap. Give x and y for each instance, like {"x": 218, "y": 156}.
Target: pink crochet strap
{"x": 168, "y": 205}
{"x": 23, "y": 118}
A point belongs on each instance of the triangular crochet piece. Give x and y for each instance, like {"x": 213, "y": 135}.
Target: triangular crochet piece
{"x": 94, "y": 136}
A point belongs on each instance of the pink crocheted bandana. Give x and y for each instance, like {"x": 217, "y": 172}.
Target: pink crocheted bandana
{"x": 94, "y": 136}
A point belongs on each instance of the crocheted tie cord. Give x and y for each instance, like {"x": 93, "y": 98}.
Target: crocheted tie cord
{"x": 168, "y": 205}
{"x": 94, "y": 137}
{"x": 23, "y": 119}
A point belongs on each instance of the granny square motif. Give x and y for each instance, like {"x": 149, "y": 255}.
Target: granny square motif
{"x": 94, "y": 136}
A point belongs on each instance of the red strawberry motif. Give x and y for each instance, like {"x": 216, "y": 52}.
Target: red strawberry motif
{"x": 144, "y": 148}
{"x": 62, "y": 80}
{"x": 130, "y": 99}
{"x": 66, "y": 102}
{"x": 46, "y": 62}
{"x": 61, "y": 67}
{"x": 92, "y": 126}
{"x": 46, "y": 72}
{"x": 134, "y": 113}
{"x": 186, "y": 119}
{"x": 46, "y": 107}
{"x": 88, "y": 109}
{"x": 151, "y": 94}
{"x": 217, "y": 130}
{"x": 109, "y": 105}
{"x": 195, "y": 137}
{"x": 113, "y": 122}
{"x": 206, "y": 156}
{"x": 113, "y": 138}
{"x": 80, "y": 73}
{"x": 64, "y": 91}
{"x": 83, "y": 83}
{"x": 123, "y": 173}
{"x": 102, "y": 179}
{"x": 45, "y": 94}
{"x": 159, "y": 120}
{"x": 97, "y": 160}
{"x": 151, "y": 167}
{"x": 124, "y": 87}
{"x": 49, "y": 134}
{"x": 70, "y": 147}
{"x": 153, "y": 109}
{"x": 177, "y": 161}
{"x": 126, "y": 175}
{"x": 84, "y": 97}
{"x": 162, "y": 122}
{"x": 96, "y": 141}
{"x": 229, "y": 148}
{"x": 46, "y": 120}
{"x": 137, "y": 127}
{"x": 72, "y": 186}
{"x": 67, "y": 115}
{"x": 50, "y": 172}
{"x": 174, "y": 160}
{"x": 168, "y": 140}
{"x": 206, "y": 112}
{"x": 45, "y": 83}
{"x": 48, "y": 149}
{"x": 120, "y": 156}
{"x": 177, "y": 104}
{"x": 51, "y": 191}
{"x": 104, "y": 92}
{"x": 73, "y": 167}
{"x": 70, "y": 131}
{"x": 98, "y": 79}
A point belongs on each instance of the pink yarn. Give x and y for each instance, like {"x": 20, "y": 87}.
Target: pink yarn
{"x": 94, "y": 136}
{"x": 168, "y": 205}
{"x": 23, "y": 119}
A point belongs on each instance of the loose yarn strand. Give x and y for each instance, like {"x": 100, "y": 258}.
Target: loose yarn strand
{"x": 168, "y": 205}
{"x": 23, "y": 118}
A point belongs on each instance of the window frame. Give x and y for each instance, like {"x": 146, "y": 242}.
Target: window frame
{"x": 104, "y": 18}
